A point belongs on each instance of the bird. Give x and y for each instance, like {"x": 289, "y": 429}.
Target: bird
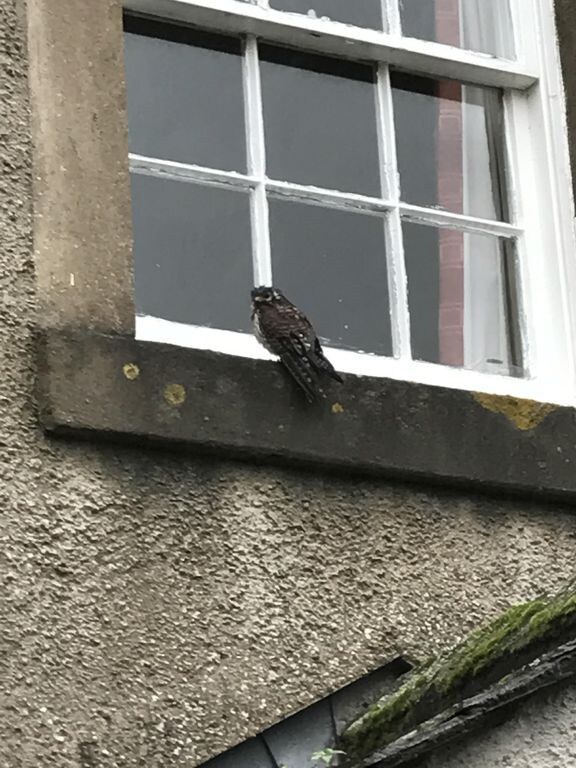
{"x": 285, "y": 331}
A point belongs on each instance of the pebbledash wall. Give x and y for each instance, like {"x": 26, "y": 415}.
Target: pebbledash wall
{"x": 158, "y": 608}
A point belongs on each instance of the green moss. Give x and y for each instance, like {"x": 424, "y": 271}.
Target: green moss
{"x": 484, "y": 646}
{"x": 487, "y": 655}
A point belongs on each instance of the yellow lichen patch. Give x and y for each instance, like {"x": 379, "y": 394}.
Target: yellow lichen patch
{"x": 174, "y": 394}
{"x": 524, "y": 414}
{"x": 337, "y": 408}
{"x": 131, "y": 371}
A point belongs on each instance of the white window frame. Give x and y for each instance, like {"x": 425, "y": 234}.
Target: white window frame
{"x": 540, "y": 186}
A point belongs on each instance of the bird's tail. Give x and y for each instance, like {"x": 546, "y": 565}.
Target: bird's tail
{"x": 322, "y": 364}
{"x": 301, "y": 371}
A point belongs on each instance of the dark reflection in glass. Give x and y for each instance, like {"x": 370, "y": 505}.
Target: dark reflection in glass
{"x": 333, "y": 265}
{"x": 479, "y": 25}
{"x": 192, "y": 253}
{"x": 361, "y": 13}
{"x": 185, "y": 99}
{"x": 450, "y": 143}
{"x": 463, "y": 300}
{"x": 320, "y": 121}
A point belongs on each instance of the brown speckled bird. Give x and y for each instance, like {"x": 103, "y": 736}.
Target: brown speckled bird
{"x": 285, "y": 331}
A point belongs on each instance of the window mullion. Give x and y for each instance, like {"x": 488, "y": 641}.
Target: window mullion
{"x": 170, "y": 169}
{"x": 261, "y": 254}
{"x": 461, "y": 222}
{"x": 391, "y": 16}
{"x": 397, "y": 282}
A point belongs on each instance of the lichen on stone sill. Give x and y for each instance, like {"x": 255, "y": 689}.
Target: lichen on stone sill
{"x": 512, "y": 640}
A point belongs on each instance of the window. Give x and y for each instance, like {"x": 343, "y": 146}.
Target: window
{"x": 398, "y": 168}
{"x": 95, "y": 378}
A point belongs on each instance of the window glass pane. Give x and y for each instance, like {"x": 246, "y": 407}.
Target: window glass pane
{"x": 192, "y": 253}
{"x": 361, "y": 13}
{"x": 294, "y": 740}
{"x": 320, "y": 121}
{"x": 479, "y": 25}
{"x": 250, "y": 754}
{"x": 462, "y": 299}
{"x": 451, "y": 148}
{"x": 332, "y": 264}
{"x": 185, "y": 102}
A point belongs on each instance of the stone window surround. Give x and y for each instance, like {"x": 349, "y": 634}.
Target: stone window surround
{"x": 94, "y": 378}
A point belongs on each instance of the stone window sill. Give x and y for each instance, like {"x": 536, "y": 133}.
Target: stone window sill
{"x": 92, "y": 383}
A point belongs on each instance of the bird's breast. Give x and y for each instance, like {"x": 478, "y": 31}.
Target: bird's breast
{"x": 259, "y": 333}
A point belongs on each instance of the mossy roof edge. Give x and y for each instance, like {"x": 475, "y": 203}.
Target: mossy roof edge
{"x": 509, "y": 642}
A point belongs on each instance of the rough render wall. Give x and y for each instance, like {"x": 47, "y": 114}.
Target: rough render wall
{"x": 541, "y": 735}
{"x": 157, "y": 608}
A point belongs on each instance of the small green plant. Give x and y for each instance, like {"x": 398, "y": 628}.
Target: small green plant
{"x": 326, "y": 756}
{"x": 323, "y": 756}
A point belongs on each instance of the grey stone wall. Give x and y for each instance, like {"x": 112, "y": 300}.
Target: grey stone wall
{"x": 157, "y": 608}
